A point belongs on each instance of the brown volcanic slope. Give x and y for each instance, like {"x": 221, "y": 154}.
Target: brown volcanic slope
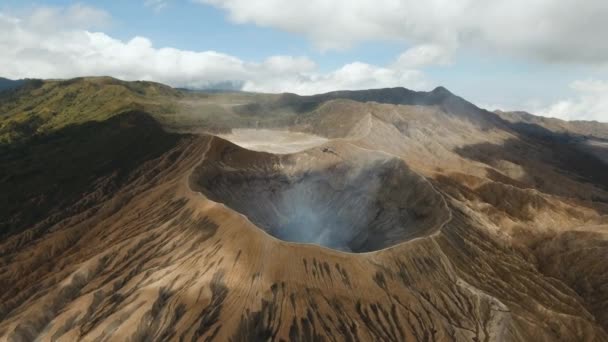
{"x": 465, "y": 226}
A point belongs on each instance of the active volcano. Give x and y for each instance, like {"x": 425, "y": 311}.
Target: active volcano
{"x": 134, "y": 211}
{"x": 338, "y": 196}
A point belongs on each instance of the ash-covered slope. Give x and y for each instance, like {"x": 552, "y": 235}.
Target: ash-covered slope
{"x": 468, "y": 229}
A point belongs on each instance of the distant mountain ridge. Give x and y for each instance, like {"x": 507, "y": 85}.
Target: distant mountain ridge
{"x": 6, "y": 83}
{"x": 39, "y": 106}
{"x": 396, "y": 96}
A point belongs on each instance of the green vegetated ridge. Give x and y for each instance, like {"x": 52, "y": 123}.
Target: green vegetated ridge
{"x": 39, "y": 107}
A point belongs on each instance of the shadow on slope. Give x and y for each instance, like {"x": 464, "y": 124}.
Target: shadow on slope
{"x": 545, "y": 161}
{"x": 543, "y": 153}
{"x": 48, "y": 173}
{"x": 576, "y": 258}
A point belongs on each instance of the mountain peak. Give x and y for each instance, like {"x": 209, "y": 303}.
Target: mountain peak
{"x": 441, "y": 90}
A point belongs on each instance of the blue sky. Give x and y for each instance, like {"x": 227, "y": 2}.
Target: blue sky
{"x": 533, "y": 55}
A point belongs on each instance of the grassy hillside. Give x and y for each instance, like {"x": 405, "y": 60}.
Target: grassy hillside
{"x": 44, "y": 106}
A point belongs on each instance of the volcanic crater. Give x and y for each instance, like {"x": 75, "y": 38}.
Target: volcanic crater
{"x": 336, "y": 195}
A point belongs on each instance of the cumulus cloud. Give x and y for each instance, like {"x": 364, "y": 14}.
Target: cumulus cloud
{"x": 351, "y": 76}
{"x": 425, "y": 55}
{"x": 156, "y": 5}
{"x": 547, "y": 30}
{"x": 590, "y": 103}
{"x": 49, "y": 19}
{"x": 32, "y": 46}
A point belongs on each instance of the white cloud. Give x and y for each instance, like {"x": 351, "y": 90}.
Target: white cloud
{"x": 156, "y": 5}
{"x": 32, "y": 46}
{"x": 352, "y": 76}
{"x": 547, "y": 30}
{"x": 281, "y": 65}
{"x": 591, "y": 102}
{"x": 50, "y": 19}
{"x": 425, "y": 55}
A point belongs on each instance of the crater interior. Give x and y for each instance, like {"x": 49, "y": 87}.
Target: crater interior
{"x": 336, "y": 196}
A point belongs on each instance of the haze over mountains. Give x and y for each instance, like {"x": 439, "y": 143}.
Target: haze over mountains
{"x": 132, "y": 210}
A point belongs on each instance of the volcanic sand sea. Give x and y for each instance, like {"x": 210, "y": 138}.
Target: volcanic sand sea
{"x": 273, "y": 141}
